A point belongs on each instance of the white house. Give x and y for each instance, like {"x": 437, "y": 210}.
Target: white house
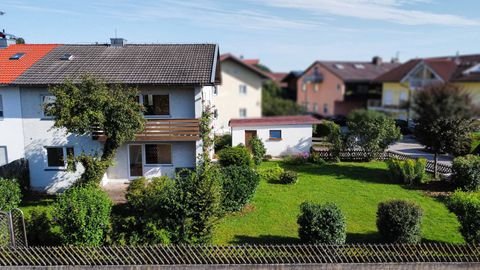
{"x": 240, "y": 94}
{"x": 175, "y": 81}
{"x": 281, "y": 135}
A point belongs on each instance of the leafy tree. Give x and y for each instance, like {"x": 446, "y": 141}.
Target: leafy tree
{"x": 274, "y": 101}
{"x": 334, "y": 137}
{"x": 444, "y": 117}
{"x": 372, "y": 131}
{"x": 91, "y": 103}
{"x": 20, "y": 41}
{"x": 258, "y": 150}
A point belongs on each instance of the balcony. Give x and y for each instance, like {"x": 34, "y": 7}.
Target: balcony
{"x": 376, "y": 105}
{"x": 163, "y": 130}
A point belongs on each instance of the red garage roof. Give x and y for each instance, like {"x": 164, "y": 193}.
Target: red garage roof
{"x": 275, "y": 121}
{"x": 10, "y": 69}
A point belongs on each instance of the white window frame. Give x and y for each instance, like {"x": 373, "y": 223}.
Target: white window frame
{"x": 144, "y": 158}
{"x": 42, "y": 97}
{"x": 65, "y": 156}
{"x": 240, "y": 112}
{"x": 169, "y": 115}
{"x": 387, "y": 99}
{"x": 144, "y": 161}
{"x": 128, "y": 160}
{"x": 6, "y": 154}
{"x": 242, "y": 89}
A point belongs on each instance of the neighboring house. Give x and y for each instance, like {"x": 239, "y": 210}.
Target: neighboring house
{"x": 175, "y": 82}
{"x": 330, "y": 88}
{"x": 240, "y": 94}
{"x": 399, "y": 84}
{"x": 281, "y": 135}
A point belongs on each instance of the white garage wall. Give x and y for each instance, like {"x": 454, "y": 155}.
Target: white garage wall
{"x": 295, "y": 138}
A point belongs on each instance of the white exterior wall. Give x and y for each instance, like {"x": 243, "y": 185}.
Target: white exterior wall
{"x": 229, "y": 101}
{"x": 295, "y": 138}
{"x": 38, "y": 134}
{"x": 11, "y": 128}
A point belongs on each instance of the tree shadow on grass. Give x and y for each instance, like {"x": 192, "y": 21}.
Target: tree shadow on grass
{"x": 344, "y": 171}
{"x": 369, "y": 237}
{"x": 265, "y": 239}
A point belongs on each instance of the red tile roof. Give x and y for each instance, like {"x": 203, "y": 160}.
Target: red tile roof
{"x": 12, "y": 69}
{"x": 274, "y": 121}
{"x": 251, "y": 61}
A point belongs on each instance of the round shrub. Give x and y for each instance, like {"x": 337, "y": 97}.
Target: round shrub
{"x": 258, "y": 150}
{"x": 399, "y": 221}
{"x": 321, "y": 224}
{"x": 239, "y": 184}
{"x": 10, "y": 194}
{"x": 410, "y": 171}
{"x": 271, "y": 174}
{"x": 466, "y": 172}
{"x": 83, "y": 215}
{"x": 288, "y": 177}
{"x": 222, "y": 141}
{"x": 235, "y": 156}
{"x": 466, "y": 206}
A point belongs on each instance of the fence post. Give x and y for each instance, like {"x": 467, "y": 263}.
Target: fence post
{"x": 10, "y": 228}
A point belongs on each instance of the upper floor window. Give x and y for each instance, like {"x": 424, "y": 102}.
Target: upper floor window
{"x": 304, "y": 87}
{"x": 57, "y": 157}
{"x": 243, "y": 112}
{"x": 315, "y": 87}
{"x": 315, "y": 107}
{"x": 48, "y": 102}
{"x": 1, "y": 107}
{"x": 156, "y": 104}
{"x": 242, "y": 89}
{"x": 3, "y": 155}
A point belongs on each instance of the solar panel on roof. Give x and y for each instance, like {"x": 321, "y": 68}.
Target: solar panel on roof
{"x": 17, "y": 56}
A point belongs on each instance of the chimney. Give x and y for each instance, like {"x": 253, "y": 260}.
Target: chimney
{"x": 117, "y": 42}
{"x": 6, "y": 40}
{"x": 377, "y": 60}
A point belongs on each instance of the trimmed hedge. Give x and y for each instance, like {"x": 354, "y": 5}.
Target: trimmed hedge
{"x": 410, "y": 171}
{"x": 288, "y": 177}
{"x": 235, "y": 156}
{"x": 466, "y": 206}
{"x": 10, "y": 194}
{"x": 321, "y": 224}
{"x": 466, "y": 172}
{"x": 239, "y": 184}
{"x": 399, "y": 221}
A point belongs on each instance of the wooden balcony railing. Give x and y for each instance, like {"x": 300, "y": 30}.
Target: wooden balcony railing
{"x": 164, "y": 130}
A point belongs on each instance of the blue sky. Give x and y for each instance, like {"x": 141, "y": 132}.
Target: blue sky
{"x": 284, "y": 34}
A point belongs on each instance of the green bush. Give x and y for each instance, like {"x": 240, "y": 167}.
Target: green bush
{"x": 298, "y": 159}
{"x": 239, "y": 185}
{"x": 321, "y": 224}
{"x": 466, "y": 206}
{"x": 399, "y": 221}
{"x": 235, "y": 156}
{"x": 410, "y": 171}
{"x": 321, "y": 130}
{"x": 316, "y": 158}
{"x": 271, "y": 174}
{"x": 94, "y": 167}
{"x": 39, "y": 228}
{"x": 288, "y": 177}
{"x": 83, "y": 214}
{"x": 258, "y": 150}
{"x": 466, "y": 172}
{"x": 222, "y": 141}
{"x": 10, "y": 194}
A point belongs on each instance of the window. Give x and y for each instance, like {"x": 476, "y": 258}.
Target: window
{"x": 242, "y": 89}
{"x": 1, "y": 107}
{"x": 403, "y": 97}
{"x": 158, "y": 154}
{"x": 388, "y": 98}
{"x": 325, "y": 108}
{"x": 3, "y": 155}
{"x": 57, "y": 156}
{"x": 215, "y": 90}
{"x": 315, "y": 107}
{"x": 315, "y": 87}
{"x": 339, "y": 87}
{"x": 67, "y": 57}
{"x": 304, "y": 87}
{"x": 17, "y": 56}
{"x": 275, "y": 134}
{"x": 243, "y": 112}
{"x": 359, "y": 66}
{"x": 156, "y": 104}
{"x": 47, "y": 103}
{"x": 215, "y": 114}
{"x": 338, "y": 66}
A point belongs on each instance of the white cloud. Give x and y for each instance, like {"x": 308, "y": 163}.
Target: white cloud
{"x": 394, "y": 11}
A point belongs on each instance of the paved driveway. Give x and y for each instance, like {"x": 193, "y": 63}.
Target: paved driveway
{"x": 409, "y": 146}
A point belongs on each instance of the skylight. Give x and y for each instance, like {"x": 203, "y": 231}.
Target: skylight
{"x": 67, "y": 57}
{"x": 339, "y": 66}
{"x": 359, "y": 66}
{"x": 17, "y": 56}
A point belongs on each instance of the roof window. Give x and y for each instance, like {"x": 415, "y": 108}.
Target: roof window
{"x": 17, "y": 56}
{"x": 339, "y": 66}
{"x": 67, "y": 57}
{"x": 359, "y": 66}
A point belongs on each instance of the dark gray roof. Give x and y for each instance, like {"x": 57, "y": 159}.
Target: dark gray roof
{"x": 159, "y": 64}
{"x": 350, "y": 73}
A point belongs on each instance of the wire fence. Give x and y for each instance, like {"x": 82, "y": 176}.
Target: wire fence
{"x": 232, "y": 255}
{"x": 12, "y": 229}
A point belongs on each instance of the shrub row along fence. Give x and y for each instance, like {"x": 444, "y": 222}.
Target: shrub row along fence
{"x": 360, "y": 155}
{"x": 239, "y": 255}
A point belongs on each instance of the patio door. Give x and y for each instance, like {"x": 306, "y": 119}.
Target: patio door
{"x": 135, "y": 157}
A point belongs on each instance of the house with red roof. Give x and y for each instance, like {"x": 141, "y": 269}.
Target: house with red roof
{"x": 400, "y": 83}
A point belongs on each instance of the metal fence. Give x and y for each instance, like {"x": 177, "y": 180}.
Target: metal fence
{"x": 12, "y": 229}
{"x": 237, "y": 255}
{"x": 361, "y": 155}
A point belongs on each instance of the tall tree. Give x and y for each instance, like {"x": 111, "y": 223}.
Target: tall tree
{"x": 444, "y": 117}
{"x": 92, "y": 103}
{"x": 274, "y": 101}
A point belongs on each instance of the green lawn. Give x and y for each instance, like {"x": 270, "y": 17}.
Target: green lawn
{"x": 356, "y": 187}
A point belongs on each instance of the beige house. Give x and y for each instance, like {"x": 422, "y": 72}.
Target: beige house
{"x": 240, "y": 94}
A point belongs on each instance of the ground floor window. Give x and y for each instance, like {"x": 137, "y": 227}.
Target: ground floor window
{"x": 3, "y": 155}
{"x": 158, "y": 154}
{"x": 275, "y": 134}
{"x": 57, "y": 156}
